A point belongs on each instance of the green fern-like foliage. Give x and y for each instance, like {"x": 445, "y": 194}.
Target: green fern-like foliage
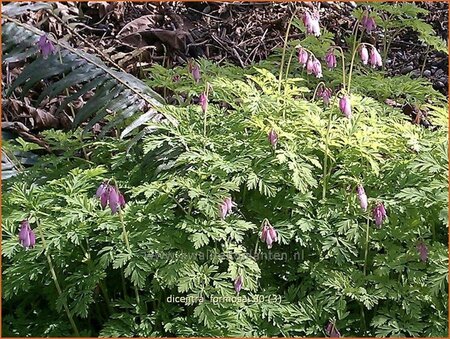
{"x": 119, "y": 97}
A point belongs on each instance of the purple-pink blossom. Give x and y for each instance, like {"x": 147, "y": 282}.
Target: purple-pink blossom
{"x": 268, "y": 234}
{"x": 45, "y": 46}
{"x": 302, "y": 56}
{"x": 272, "y": 137}
{"x": 311, "y": 22}
{"x": 203, "y": 101}
{"x": 110, "y": 195}
{"x": 195, "y": 71}
{"x": 27, "y": 237}
{"x": 332, "y": 331}
{"x": 238, "y": 284}
{"x": 375, "y": 58}
{"x": 368, "y": 22}
{"x": 225, "y": 208}
{"x": 330, "y": 59}
{"x": 324, "y": 93}
{"x": 364, "y": 54}
{"x": 317, "y": 68}
{"x": 423, "y": 251}
{"x": 379, "y": 214}
{"x": 362, "y": 197}
{"x": 345, "y": 106}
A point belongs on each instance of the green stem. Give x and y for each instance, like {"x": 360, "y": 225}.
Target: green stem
{"x": 127, "y": 244}
{"x": 55, "y": 280}
{"x": 286, "y": 37}
{"x": 285, "y": 83}
{"x": 366, "y": 251}
{"x": 325, "y": 161}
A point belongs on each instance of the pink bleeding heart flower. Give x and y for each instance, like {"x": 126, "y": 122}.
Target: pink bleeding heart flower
{"x": 364, "y": 54}
{"x": 302, "y": 56}
{"x": 195, "y": 71}
{"x": 317, "y": 68}
{"x": 223, "y": 210}
{"x": 45, "y": 46}
{"x": 101, "y": 189}
{"x": 362, "y": 197}
{"x": 121, "y": 200}
{"x": 330, "y": 59}
{"x": 345, "y": 106}
{"x": 238, "y": 284}
{"x": 368, "y": 22}
{"x": 332, "y": 331}
{"x": 375, "y": 58}
{"x": 113, "y": 200}
{"x": 272, "y": 137}
{"x": 423, "y": 251}
{"x": 325, "y": 93}
{"x": 311, "y": 22}
{"x": 203, "y": 101}
{"x": 379, "y": 214}
{"x": 27, "y": 237}
{"x": 229, "y": 204}
{"x": 268, "y": 234}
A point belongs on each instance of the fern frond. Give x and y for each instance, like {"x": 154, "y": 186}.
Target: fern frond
{"x": 118, "y": 95}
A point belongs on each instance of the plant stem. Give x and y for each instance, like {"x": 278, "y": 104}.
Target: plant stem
{"x": 286, "y": 36}
{"x": 127, "y": 244}
{"x": 55, "y": 280}
{"x": 285, "y": 82}
{"x": 366, "y": 251}
{"x": 325, "y": 161}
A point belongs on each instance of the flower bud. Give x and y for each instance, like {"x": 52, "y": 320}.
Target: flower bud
{"x": 302, "y": 56}
{"x": 364, "y": 54}
{"x": 345, "y": 106}
{"x": 45, "y": 46}
{"x": 113, "y": 199}
{"x": 238, "y": 284}
{"x": 273, "y": 137}
{"x": 362, "y": 197}
{"x": 375, "y": 58}
{"x": 326, "y": 95}
{"x": 121, "y": 200}
{"x": 203, "y": 102}
{"x": 330, "y": 59}
{"x": 379, "y": 214}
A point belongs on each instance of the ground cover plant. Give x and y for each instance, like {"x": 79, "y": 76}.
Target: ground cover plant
{"x": 291, "y": 198}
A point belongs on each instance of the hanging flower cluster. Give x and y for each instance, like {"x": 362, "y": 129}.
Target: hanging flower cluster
{"x": 268, "y": 234}
{"x": 368, "y": 22}
{"x": 379, "y": 214}
{"x": 225, "y": 208}
{"x": 45, "y": 46}
{"x": 27, "y": 238}
{"x": 324, "y": 93}
{"x": 311, "y": 22}
{"x": 110, "y": 195}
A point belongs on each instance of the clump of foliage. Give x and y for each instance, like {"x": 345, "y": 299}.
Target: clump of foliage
{"x": 249, "y": 207}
